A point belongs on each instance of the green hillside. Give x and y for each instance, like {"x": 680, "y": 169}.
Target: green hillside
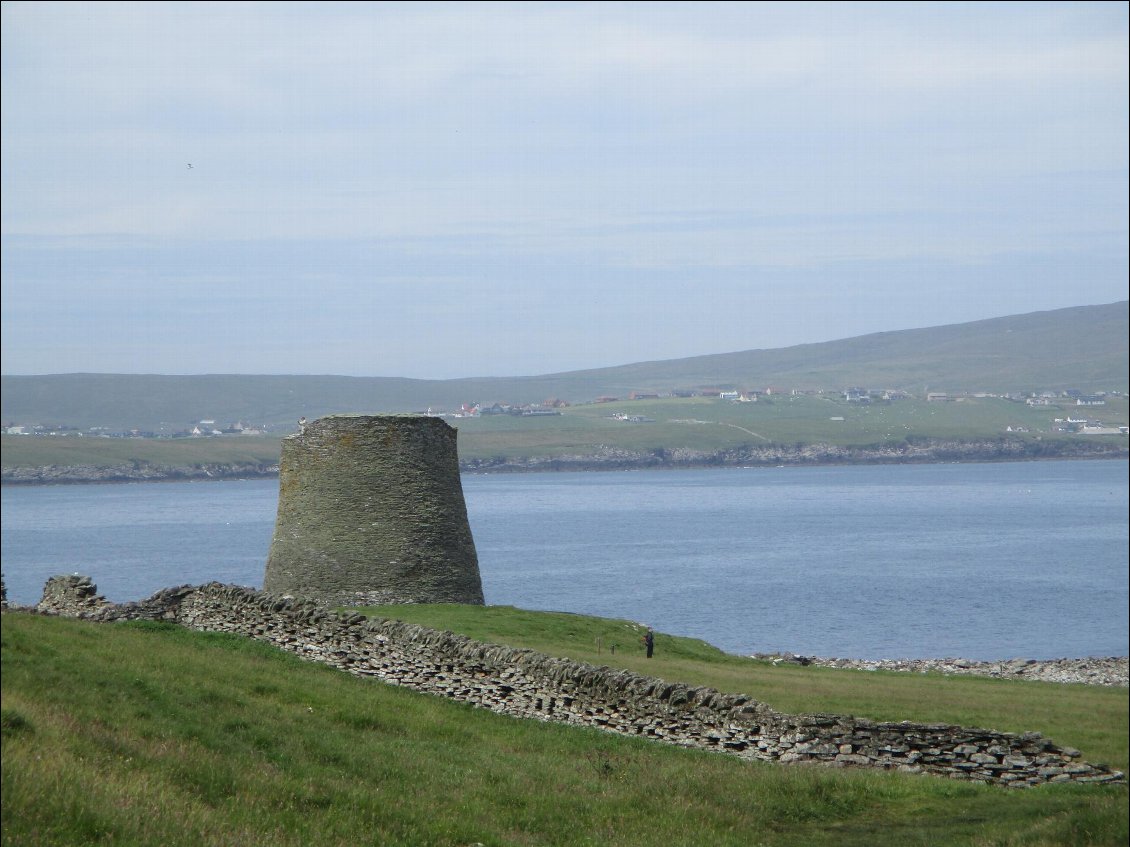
{"x": 699, "y": 424}
{"x": 150, "y": 734}
{"x": 709, "y": 424}
{"x": 1083, "y": 348}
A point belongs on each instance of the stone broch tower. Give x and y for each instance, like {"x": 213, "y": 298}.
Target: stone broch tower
{"x": 371, "y": 510}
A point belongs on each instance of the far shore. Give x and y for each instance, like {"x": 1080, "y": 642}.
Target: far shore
{"x": 1089, "y": 670}
{"x": 933, "y": 451}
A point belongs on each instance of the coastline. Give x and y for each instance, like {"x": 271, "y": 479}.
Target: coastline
{"x": 916, "y": 451}
{"x": 1110, "y": 671}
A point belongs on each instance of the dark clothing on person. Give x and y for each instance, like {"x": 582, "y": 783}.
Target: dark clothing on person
{"x": 649, "y": 642}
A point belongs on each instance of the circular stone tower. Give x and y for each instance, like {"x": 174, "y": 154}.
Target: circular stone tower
{"x": 371, "y": 511}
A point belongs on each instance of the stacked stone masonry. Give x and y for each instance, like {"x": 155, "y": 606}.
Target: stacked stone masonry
{"x": 371, "y": 511}
{"x": 526, "y": 684}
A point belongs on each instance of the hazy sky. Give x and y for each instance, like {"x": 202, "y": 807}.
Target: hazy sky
{"x": 465, "y": 189}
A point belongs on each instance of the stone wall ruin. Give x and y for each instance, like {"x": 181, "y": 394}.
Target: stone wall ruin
{"x": 527, "y": 684}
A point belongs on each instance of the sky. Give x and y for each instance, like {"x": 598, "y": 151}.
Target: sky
{"x": 441, "y": 190}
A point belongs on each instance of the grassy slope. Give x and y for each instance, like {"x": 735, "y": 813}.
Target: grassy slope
{"x": 1084, "y": 348}
{"x": 698, "y": 424}
{"x": 1091, "y": 718}
{"x": 710, "y": 424}
{"x": 156, "y": 735}
{"x": 26, "y": 451}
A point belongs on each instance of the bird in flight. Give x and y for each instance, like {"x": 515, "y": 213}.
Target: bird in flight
{"x": 190, "y": 165}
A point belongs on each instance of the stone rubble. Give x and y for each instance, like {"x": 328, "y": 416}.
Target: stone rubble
{"x": 1095, "y": 670}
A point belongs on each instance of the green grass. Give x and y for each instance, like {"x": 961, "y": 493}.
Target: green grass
{"x": 711, "y": 424}
{"x": 1091, "y": 718}
{"x": 27, "y": 451}
{"x": 700, "y": 424}
{"x": 155, "y": 735}
{"x": 706, "y": 424}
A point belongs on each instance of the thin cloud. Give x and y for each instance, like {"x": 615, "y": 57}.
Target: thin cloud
{"x": 504, "y": 144}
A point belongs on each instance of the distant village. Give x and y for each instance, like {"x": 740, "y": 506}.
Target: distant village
{"x": 1079, "y": 422}
{"x": 200, "y": 429}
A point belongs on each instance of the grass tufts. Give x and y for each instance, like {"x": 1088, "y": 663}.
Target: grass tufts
{"x": 150, "y": 735}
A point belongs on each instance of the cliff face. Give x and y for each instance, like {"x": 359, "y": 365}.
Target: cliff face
{"x": 922, "y": 450}
{"x": 136, "y": 472}
{"x": 371, "y": 510}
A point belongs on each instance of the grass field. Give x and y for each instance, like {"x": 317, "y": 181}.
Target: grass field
{"x": 700, "y": 424}
{"x": 27, "y": 451}
{"x": 149, "y": 734}
{"x": 1091, "y": 718}
{"x": 711, "y": 424}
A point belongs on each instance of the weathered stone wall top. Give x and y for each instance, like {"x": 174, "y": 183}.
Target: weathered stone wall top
{"x": 371, "y": 510}
{"x": 527, "y": 684}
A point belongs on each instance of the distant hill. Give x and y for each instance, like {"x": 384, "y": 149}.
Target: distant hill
{"x": 1083, "y": 348}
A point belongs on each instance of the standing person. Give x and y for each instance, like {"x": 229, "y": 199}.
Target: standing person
{"x": 649, "y": 642}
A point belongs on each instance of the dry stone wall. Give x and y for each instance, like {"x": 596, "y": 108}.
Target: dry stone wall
{"x": 371, "y": 510}
{"x": 527, "y": 684}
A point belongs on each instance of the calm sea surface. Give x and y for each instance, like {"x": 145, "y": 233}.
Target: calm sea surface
{"x": 982, "y": 561}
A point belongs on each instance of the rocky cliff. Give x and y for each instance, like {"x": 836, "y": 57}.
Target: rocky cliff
{"x": 919, "y": 451}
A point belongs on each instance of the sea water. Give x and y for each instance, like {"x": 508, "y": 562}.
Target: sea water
{"x": 983, "y": 561}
